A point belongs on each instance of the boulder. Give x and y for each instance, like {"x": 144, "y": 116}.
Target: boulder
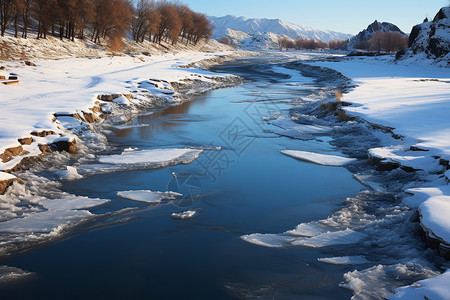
{"x": 26, "y": 141}
{"x": 29, "y": 63}
{"x": 9, "y": 153}
{"x": 43, "y": 133}
{"x": 68, "y": 145}
{"x": 90, "y": 117}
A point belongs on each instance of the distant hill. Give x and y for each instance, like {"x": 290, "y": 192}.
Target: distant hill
{"x": 264, "y": 33}
{"x": 431, "y": 39}
{"x": 364, "y": 36}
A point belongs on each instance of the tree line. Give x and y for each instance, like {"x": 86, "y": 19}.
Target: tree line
{"x": 384, "y": 41}
{"x": 309, "y": 44}
{"x": 104, "y": 20}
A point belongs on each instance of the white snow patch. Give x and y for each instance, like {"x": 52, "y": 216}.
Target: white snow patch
{"x": 6, "y": 176}
{"x": 437, "y": 287}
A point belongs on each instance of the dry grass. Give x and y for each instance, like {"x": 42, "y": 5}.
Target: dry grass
{"x": 338, "y": 95}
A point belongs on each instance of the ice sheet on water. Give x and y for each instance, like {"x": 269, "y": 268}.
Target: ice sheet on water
{"x": 307, "y": 229}
{"x": 8, "y": 274}
{"x": 330, "y": 238}
{"x": 142, "y": 159}
{"x": 266, "y": 240}
{"x": 72, "y": 202}
{"x": 51, "y": 221}
{"x": 148, "y": 196}
{"x": 437, "y": 287}
{"x": 127, "y": 126}
{"x": 321, "y": 159}
{"x": 184, "y": 215}
{"x": 380, "y": 281}
{"x": 154, "y": 156}
{"x": 344, "y": 260}
{"x": 434, "y": 218}
{"x": 286, "y": 127}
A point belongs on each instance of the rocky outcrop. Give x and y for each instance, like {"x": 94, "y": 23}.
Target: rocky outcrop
{"x": 363, "y": 37}
{"x": 431, "y": 39}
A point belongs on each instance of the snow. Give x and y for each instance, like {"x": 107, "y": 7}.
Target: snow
{"x": 154, "y": 156}
{"x": 71, "y": 85}
{"x": 70, "y": 174}
{"x": 434, "y": 217}
{"x": 432, "y": 288}
{"x": 344, "y": 260}
{"x": 184, "y": 215}
{"x": 148, "y": 196}
{"x": 6, "y": 176}
{"x": 321, "y": 159}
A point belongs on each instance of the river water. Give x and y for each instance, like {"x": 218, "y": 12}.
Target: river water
{"x": 243, "y": 187}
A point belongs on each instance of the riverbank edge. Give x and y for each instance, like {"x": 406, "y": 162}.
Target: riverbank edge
{"x": 67, "y": 141}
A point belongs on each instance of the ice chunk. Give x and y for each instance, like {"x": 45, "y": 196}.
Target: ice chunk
{"x": 342, "y": 237}
{"x": 321, "y": 159}
{"x": 344, "y": 260}
{"x": 155, "y": 156}
{"x": 126, "y": 126}
{"x": 432, "y": 288}
{"x": 72, "y": 202}
{"x": 122, "y": 100}
{"x": 11, "y": 273}
{"x": 184, "y": 215}
{"x": 148, "y": 196}
{"x": 266, "y": 240}
{"x": 307, "y": 229}
{"x": 70, "y": 174}
{"x": 44, "y": 222}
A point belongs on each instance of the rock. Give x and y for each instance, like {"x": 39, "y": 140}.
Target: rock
{"x": 45, "y": 148}
{"x": 9, "y": 153}
{"x": 29, "y": 63}
{"x": 2, "y": 77}
{"x": 73, "y": 115}
{"x": 11, "y": 82}
{"x": 128, "y": 96}
{"x": 66, "y": 145}
{"x": 26, "y": 141}
{"x": 4, "y": 184}
{"x": 43, "y": 133}
{"x": 95, "y": 109}
{"x": 108, "y": 97}
{"x": 2, "y": 68}
{"x": 90, "y": 117}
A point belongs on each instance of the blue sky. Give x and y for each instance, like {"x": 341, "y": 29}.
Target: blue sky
{"x": 348, "y": 16}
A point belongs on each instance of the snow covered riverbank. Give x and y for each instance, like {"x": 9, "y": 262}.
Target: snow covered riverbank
{"x": 414, "y": 100}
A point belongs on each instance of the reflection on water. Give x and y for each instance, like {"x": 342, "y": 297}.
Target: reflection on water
{"x": 248, "y": 186}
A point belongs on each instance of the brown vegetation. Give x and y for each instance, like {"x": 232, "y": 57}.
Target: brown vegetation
{"x": 385, "y": 41}
{"x": 309, "y": 44}
{"x": 105, "y": 20}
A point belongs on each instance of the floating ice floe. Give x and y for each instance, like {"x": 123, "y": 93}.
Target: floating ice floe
{"x": 432, "y": 288}
{"x": 8, "y": 274}
{"x": 321, "y": 159}
{"x": 70, "y": 173}
{"x": 287, "y": 127}
{"x": 122, "y": 127}
{"x": 142, "y": 159}
{"x": 184, "y": 215}
{"x": 155, "y": 156}
{"x": 266, "y": 240}
{"x": 330, "y": 238}
{"x": 344, "y": 260}
{"x": 72, "y": 203}
{"x": 148, "y": 196}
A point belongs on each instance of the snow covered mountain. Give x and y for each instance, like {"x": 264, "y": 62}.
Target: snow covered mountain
{"x": 263, "y": 33}
{"x": 365, "y": 35}
{"x": 431, "y": 39}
